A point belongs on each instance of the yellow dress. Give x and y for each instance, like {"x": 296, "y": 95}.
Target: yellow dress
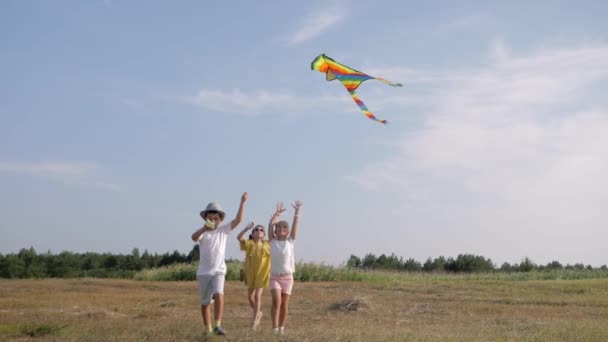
{"x": 257, "y": 263}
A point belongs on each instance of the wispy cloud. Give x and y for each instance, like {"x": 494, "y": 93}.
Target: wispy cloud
{"x": 508, "y": 110}
{"x": 237, "y": 101}
{"x": 314, "y": 26}
{"x": 473, "y": 19}
{"x": 79, "y": 173}
{"x": 523, "y": 138}
{"x": 47, "y": 168}
{"x": 258, "y": 102}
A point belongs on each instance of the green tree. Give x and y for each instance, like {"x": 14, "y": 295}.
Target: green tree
{"x": 194, "y": 254}
{"x": 381, "y": 262}
{"x": 110, "y": 261}
{"x": 469, "y": 263}
{"x": 147, "y": 260}
{"x": 4, "y": 267}
{"x": 369, "y": 261}
{"x": 554, "y": 265}
{"x": 412, "y": 265}
{"x": 16, "y": 267}
{"x": 438, "y": 264}
{"x": 354, "y": 261}
{"x": 526, "y": 265}
{"x": 506, "y": 267}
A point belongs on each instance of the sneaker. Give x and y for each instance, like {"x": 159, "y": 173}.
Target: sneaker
{"x": 218, "y": 330}
{"x": 275, "y": 331}
{"x": 281, "y": 330}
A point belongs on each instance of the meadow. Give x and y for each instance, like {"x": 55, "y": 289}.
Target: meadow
{"x": 378, "y": 306}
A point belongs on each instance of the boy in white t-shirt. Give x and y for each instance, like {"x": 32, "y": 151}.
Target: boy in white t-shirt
{"x": 211, "y": 272}
{"x": 282, "y": 264}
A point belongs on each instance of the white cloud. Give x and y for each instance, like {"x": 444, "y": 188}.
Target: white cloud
{"x": 47, "y": 168}
{"x": 500, "y": 51}
{"x": 471, "y": 20}
{"x": 265, "y": 102}
{"x": 314, "y": 26}
{"x": 236, "y": 101}
{"x": 520, "y": 143}
{"x": 76, "y": 173}
{"x": 520, "y": 111}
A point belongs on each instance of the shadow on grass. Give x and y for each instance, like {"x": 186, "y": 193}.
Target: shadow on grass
{"x": 39, "y": 330}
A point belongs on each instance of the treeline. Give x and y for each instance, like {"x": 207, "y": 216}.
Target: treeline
{"x": 466, "y": 263}
{"x": 29, "y": 264}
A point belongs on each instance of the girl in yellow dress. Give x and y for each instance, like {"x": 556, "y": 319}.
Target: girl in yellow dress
{"x": 257, "y": 267}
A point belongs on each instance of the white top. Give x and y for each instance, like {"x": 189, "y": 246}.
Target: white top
{"x": 281, "y": 256}
{"x": 212, "y": 247}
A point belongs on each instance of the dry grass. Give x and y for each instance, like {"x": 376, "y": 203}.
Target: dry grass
{"x": 427, "y": 310}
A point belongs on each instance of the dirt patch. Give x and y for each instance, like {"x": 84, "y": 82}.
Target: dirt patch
{"x": 348, "y": 305}
{"x": 168, "y": 304}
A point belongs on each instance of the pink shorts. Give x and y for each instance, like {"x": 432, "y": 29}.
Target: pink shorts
{"x": 282, "y": 282}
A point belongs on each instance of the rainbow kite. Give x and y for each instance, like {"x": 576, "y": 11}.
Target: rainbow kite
{"x": 351, "y": 79}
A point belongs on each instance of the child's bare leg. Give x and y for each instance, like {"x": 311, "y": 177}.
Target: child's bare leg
{"x": 284, "y": 309}
{"x": 219, "y": 306}
{"x": 258, "y": 305}
{"x": 276, "y": 306}
{"x": 206, "y": 313}
{"x": 251, "y": 298}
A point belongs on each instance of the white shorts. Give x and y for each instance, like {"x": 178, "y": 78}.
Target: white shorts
{"x": 208, "y": 285}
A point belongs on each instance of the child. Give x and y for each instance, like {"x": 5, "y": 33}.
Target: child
{"x": 211, "y": 272}
{"x": 282, "y": 263}
{"x": 257, "y": 268}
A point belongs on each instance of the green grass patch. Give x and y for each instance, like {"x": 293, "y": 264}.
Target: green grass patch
{"x": 39, "y": 330}
{"x": 321, "y": 272}
{"x": 30, "y": 330}
{"x": 183, "y": 272}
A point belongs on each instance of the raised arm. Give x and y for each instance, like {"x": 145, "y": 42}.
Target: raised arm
{"x": 239, "y": 215}
{"x": 197, "y": 234}
{"x": 241, "y": 235}
{"x": 296, "y": 218}
{"x": 274, "y": 219}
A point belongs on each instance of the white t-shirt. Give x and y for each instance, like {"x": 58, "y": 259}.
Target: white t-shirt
{"x": 281, "y": 256}
{"x": 212, "y": 247}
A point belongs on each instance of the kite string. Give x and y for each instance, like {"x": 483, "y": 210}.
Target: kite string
{"x": 388, "y": 82}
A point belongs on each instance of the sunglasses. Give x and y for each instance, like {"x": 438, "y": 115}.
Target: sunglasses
{"x": 258, "y": 230}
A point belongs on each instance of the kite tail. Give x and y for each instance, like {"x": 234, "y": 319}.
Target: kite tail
{"x": 364, "y": 109}
{"x": 388, "y": 82}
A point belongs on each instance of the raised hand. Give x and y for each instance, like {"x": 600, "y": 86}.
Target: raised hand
{"x": 244, "y": 197}
{"x": 280, "y": 208}
{"x": 275, "y": 217}
{"x": 250, "y": 225}
{"x": 297, "y": 205}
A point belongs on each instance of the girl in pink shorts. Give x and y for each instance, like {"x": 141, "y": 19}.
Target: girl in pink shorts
{"x": 282, "y": 264}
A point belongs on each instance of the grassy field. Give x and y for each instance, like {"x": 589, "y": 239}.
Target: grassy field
{"x": 417, "y": 309}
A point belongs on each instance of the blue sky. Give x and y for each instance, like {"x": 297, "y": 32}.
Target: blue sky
{"x": 121, "y": 120}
